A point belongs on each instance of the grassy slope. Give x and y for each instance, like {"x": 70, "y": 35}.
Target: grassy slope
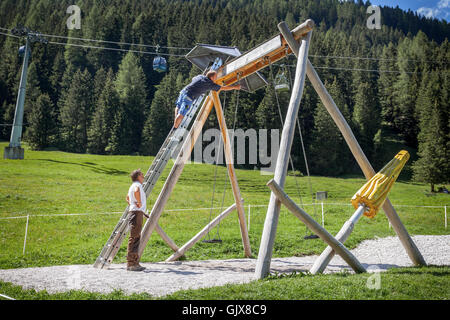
{"x": 58, "y": 182}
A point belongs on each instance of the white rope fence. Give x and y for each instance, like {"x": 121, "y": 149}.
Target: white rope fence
{"x": 27, "y": 217}
{"x": 6, "y": 297}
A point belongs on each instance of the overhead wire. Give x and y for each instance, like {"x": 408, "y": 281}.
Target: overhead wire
{"x": 10, "y": 35}
{"x": 114, "y": 42}
{"x": 180, "y": 55}
{"x": 185, "y": 48}
{"x": 115, "y": 49}
{"x": 373, "y": 58}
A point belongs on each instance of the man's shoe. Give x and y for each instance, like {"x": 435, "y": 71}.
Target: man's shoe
{"x": 137, "y": 267}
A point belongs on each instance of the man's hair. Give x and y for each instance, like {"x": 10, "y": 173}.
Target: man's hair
{"x": 211, "y": 73}
{"x": 135, "y": 174}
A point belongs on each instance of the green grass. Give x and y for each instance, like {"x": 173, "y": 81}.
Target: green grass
{"x": 403, "y": 283}
{"x": 52, "y": 182}
{"x": 57, "y": 183}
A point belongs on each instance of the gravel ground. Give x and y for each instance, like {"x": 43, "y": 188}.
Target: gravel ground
{"x": 167, "y": 277}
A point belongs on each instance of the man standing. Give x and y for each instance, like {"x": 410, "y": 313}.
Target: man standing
{"x": 137, "y": 201}
{"x": 199, "y": 85}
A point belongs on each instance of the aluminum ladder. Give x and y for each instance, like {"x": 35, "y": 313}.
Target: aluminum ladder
{"x": 167, "y": 149}
{"x": 169, "y": 146}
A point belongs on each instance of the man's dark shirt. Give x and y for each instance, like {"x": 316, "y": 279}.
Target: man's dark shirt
{"x": 200, "y": 85}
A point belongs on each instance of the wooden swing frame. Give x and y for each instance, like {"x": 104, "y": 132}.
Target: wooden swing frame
{"x": 277, "y": 48}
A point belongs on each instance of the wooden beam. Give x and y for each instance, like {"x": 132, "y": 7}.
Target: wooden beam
{"x": 260, "y": 57}
{"x": 324, "y": 259}
{"x": 166, "y": 238}
{"x": 180, "y": 252}
{"x": 175, "y": 173}
{"x": 232, "y": 174}
{"x": 273, "y": 211}
{"x": 315, "y": 227}
{"x": 409, "y": 245}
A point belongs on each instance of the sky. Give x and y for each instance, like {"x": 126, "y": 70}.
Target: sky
{"x": 439, "y": 9}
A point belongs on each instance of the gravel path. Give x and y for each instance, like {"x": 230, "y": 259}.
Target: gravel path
{"x": 167, "y": 277}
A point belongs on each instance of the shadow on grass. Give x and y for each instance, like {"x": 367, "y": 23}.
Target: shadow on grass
{"x": 93, "y": 166}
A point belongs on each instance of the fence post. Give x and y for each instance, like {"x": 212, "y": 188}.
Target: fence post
{"x": 445, "y": 215}
{"x": 26, "y": 231}
{"x": 248, "y": 224}
{"x": 323, "y": 220}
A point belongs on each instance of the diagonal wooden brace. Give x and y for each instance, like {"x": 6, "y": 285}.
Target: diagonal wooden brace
{"x": 180, "y": 252}
{"x": 337, "y": 246}
{"x": 324, "y": 259}
{"x": 166, "y": 238}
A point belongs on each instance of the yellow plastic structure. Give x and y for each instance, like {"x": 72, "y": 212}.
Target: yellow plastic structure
{"x": 375, "y": 191}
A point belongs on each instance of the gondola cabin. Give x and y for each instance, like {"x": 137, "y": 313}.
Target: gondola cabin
{"x": 159, "y": 64}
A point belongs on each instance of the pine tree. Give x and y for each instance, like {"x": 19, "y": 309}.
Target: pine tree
{"x": 267, "y": 115}
{"x": 40, "y": 127}
{"x": 76, "y": 112}
{"x": 410, "y": 53}
{"x": 386, "y": 82}
{"x": 129, "y": 120}
{"x": 434, "y": 137}
{"x": 366, "y": 114}
{"x": 100, "y": 129}
{"x": 33, "y": 90}
{"x": 330, "y": 155}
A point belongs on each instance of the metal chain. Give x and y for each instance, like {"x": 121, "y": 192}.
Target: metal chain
{"x": 215, "y": 178}
{"x": 282, "y": 124}
{"x": 304, "y": 153}
{"x": 232, "y": 141}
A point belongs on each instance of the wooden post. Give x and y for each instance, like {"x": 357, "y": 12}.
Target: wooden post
{"x": 445, "y": 217}
{"x": 315, "y": 227}
{"x": 410, "y": 247}
{"x": 180, "y": 252}
{"x": 321, "y": 263}
{"x": 249, "y": 218}
{"x": 166, "y": 238}
{"x": 323, "y": 216}
{"x": 26, "y": 233}
{"x": 231, "y": 173}
{"x": 287, "y": 136}
{"x": 175, "y": 173}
